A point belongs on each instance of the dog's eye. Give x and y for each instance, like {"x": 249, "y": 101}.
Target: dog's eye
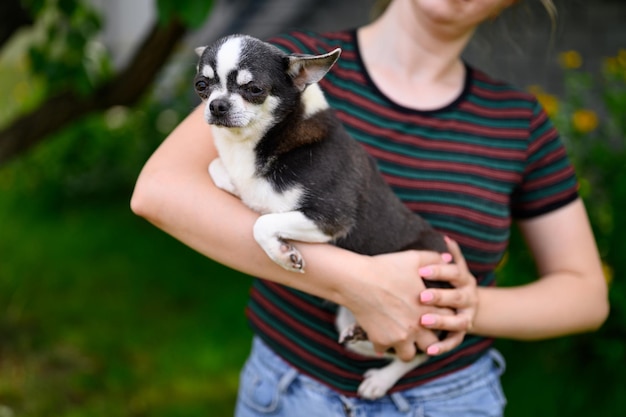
{"x": 254, "y": 90}
{"x": 201, "y": 85}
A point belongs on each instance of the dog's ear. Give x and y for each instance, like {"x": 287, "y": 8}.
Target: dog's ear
{"x": 309, "y": 69}
{"x": 199, "y": 50}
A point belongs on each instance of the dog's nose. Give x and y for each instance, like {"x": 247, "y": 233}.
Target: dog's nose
{"x": 219, "y": 107}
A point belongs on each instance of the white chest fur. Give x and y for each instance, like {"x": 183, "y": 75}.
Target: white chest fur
{"x": 239, "y": 162}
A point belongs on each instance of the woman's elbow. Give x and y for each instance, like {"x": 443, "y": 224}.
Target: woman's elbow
{"x": 143, "y": 200}
{"x": 599, "y": 312}
{"x": 602, "y": 315}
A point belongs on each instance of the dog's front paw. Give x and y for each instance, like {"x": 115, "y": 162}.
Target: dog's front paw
{"x": 289, "y": 257}
{"x": 220, "y": 176}
{"x": 268, "y": 236}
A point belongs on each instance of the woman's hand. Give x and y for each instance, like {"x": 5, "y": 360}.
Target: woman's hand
{"x": 385, "y": 301}
{"x": 463, "y": 298}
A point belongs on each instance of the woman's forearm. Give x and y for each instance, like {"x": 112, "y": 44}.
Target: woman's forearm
{"x": 571, "y": 294}
{"x": 555, "y": 305}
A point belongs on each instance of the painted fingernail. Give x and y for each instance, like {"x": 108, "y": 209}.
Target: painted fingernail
{"x": 426, "y": 296}
{"x": 432, "y": 350}
{"x": 446, "y": 257}
{"x": 428, "y": 320}
{"x": 425, "y": 271}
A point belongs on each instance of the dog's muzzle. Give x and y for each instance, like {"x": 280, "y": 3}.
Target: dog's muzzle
{"x": 219, "y": 108}
{"x": 219, "y": 113}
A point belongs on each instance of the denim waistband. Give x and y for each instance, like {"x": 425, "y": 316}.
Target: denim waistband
{"x": 489, "y": 366}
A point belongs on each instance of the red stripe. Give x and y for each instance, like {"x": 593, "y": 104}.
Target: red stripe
{"x": 294, "y": 324}
{"x": 346, "y": 74}
{"x": 457, "y": 167}
{"x": 460, "y": 213}
{"x": 547, "y": 181}
{"x": 505, "y": 113}
{"x": 457, "y": 188}
{"x": 546, "y": 201}
{"x": 538, "y": 120}
{"x": 290, "y": 346}
{"x": 500, "y": 95}
{"x": 312, "y": 310}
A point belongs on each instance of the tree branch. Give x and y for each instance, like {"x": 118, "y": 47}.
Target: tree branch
{"x": 124, "y": 89}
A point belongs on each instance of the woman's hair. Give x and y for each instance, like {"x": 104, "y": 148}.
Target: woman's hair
{"x": 381, "y": 5}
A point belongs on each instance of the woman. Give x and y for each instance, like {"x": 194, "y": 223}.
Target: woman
{"x": 469, "y": 154}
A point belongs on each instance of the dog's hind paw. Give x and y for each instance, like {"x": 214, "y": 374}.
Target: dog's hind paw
{"x": 352, "y": 333}
{"x": 376, "y": 384}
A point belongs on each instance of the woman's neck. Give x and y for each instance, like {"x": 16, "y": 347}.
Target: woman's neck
{"x": 415, "y": 63}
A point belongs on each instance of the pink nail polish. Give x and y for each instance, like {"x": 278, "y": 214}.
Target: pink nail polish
{"x": 428, "y": 320}
{"x": 426, "y": 296}
{"x": 446, "y": 257}
{"x": 425, "y": 271}
{"x": 432, "y": 350}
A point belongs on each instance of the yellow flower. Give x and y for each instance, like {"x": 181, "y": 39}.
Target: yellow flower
{"x": 584, "y": 120}
{"x": 611, "y": 65}
{"x": 621, "y": 57}
{"x": 608, "y": 272}
{"x": 570, "y": 59}
{"x": 549, "y": 103}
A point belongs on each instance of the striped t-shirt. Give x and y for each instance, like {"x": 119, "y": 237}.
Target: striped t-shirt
{"x": 468, "y": 168}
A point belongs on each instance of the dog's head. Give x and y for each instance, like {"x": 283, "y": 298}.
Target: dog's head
{"x": 249, "y": 84}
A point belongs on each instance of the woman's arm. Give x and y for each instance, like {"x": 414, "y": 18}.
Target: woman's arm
{"x": 175, "y": 192}
{"x": 570, "y": 295}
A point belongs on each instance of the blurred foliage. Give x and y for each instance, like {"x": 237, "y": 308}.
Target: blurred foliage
{"x": 192, "y": 12}
{"x": 98, "y": 158}
{"x": 64, "y": 52}
{"x": 591, "y": 117}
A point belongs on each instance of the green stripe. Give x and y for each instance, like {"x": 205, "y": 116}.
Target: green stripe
{"x": 485, "y": 183}
{"x": 500, "y": 103}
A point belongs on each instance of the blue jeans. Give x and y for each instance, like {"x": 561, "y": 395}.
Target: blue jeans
{"x": 271, "y": 387}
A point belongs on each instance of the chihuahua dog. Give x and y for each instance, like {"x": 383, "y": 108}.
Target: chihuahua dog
{"x": 285, "y": 154}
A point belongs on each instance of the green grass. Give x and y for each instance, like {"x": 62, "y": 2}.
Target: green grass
{"x": 101, "y": 314}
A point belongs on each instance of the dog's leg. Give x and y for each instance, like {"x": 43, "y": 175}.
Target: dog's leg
{"x": 220, "y": 177}
{"x": 379, "y": 380}
{"x": 271, "y": 232}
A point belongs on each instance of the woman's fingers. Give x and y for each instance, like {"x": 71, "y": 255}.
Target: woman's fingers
{"x": 453, "y": 340}
{"x": 459, "y": 322}
{"x": 407, "y": 349}
{"x": 452, "y": 297}
{"x": 456, "y": 253}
